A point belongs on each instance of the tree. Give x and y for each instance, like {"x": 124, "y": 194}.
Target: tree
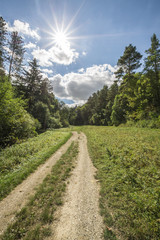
{"x": 113, "y": 91}
{"x": 128, "y": 62}
{"x": 16, "y": 54}
{"x": 15, "y": 122}
{"x": 152, "y": 68}
{"x": 118, "y": 114}
{"x": 3, "y": 33}
{"x": 32, "y": 81}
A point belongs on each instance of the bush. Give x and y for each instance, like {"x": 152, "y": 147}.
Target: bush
{"x": 15, "y": 122}
{"x": 145, "y": 123}
{"x": 54, "y": 123}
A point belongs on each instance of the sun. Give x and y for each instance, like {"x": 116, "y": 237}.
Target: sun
{"x": 61, "y": 32}
{"x": 60, "y": 39}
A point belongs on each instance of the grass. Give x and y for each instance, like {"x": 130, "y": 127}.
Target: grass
{"x": 128, "y": 163}
{"x": 19, "y": 160}
{"x": 34, "y": 220}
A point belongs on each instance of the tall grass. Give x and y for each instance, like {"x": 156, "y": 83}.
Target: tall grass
{"x": 128, "y": 163}
{"x": 19, "y": 160}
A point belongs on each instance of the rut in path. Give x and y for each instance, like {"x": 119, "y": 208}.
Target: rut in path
{"x": 79, "y": 217}
{"x": 19, "y": 196}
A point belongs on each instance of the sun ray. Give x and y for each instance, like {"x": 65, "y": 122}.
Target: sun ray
{"x": 60, "y": 33}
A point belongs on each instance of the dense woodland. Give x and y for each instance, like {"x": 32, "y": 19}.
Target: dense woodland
{"x": 28, "y": 105}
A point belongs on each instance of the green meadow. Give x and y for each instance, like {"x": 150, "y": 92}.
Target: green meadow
{"x": 128, "y": 163}
{"x": 19, "y": 160}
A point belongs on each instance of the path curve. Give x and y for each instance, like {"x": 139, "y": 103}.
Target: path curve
{"x": 20, "y": 195}
{"x": 79, "y": 217}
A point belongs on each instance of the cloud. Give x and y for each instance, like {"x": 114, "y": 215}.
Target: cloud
{"x": 30, "y": 45}
{"x": 84, "y": 53}
{"x": 43, "y": 57}
{"x": 79, "y": 86}
{"x": 47, "y": 71}
{"x": 23, "y": 28}
{"x": 55, "y": 54}
{"x": 81, "y": 70}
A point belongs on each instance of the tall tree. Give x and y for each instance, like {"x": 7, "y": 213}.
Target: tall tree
{"x": 128, "y": 62}
{"x": 32, "y": 81}
{"x": 3, "y": 33}
{"x": 16, "y": 54}
{"x": 152, "y": 68}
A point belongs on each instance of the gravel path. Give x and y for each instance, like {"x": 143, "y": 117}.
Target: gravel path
{"x": 79, "y": 217}
{"x": 20, "y": 195}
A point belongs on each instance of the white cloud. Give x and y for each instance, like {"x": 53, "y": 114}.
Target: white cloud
{"x": 23, "y": 28}
{"x": 84, "y": 53}
{"x": 47, "y": 71}
{"x": 42, "y": 56}
{"x": 30, "y": 45}
{"x": 79, "y": 86}
{"x": 55, "y": 54}
{"x": 81, "y": 70}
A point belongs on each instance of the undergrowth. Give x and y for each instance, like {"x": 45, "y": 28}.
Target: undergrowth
{"x": 33, "y": 222}
{"x": 128, "y": 163}
{"x": 19, "y": 160}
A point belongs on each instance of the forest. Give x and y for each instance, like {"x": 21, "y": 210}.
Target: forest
{"x": 133, "y": 98}
{"x": 28, "y": 105}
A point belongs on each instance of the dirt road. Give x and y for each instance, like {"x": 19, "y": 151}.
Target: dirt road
{"x": 79, "y": 217}
{"x": 20, "y": 195}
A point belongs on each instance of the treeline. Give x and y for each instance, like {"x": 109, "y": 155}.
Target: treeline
{"x": 134, "y": 97}
{"x": 27, "y": 102}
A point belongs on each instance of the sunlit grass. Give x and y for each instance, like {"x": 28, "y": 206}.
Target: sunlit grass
{"x": 128, "y": 163}
{"x": 18, "y": 161}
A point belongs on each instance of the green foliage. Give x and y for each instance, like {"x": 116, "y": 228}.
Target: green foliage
{"x": 152, "y": 69}
{"x": 19, "y": 160}
{"x": 41, "y": 101}
{"x": 42, "y": 113}
{"x": 128, "y": 166}
{"x": 136, "y": 98}
{"x": 97, "y": 110}
{"x": 118, "y": 115}
{"x": 150, "y": 123}
{"x": 15, "y": 122}
{"x": 129, "y": 61}
{"x": 33, "y": 221}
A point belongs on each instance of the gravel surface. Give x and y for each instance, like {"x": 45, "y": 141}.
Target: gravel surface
{"x": 20, "y": 195}
{"x": 79, "y": 217}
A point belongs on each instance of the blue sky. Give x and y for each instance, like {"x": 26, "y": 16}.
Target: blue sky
{"x": 94, "y": 35}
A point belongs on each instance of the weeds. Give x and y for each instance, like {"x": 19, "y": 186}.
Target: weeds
{"x": 33, "y": 221}
{"x": 18, "y": 161}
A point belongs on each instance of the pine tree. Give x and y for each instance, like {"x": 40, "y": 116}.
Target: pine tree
{"x": 152, "y": 68}
{"x": 32, "y": 81}
{"x": 3, "y": 33}
{"x": 128, "y": 62}
{"x": 16, "y": 54}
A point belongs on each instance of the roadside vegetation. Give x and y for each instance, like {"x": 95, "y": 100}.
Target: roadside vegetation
{"x": 128, "y": 166}
{"x": 19, "y": 160}
{"x": 33, "y": 222}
